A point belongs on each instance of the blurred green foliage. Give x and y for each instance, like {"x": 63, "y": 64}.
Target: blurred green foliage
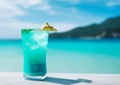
{"x": 109, "y": 28}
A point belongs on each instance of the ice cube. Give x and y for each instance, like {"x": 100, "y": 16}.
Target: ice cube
{"x": 39, "y": 37}
{"x": 34, "y": 47}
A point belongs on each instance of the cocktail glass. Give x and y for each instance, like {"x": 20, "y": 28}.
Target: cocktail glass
{"x": 34, "y": 50}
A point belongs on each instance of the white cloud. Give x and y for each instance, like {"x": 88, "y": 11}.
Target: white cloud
{"x": 25, "y": 3}
{"x": 47, "y": 8}
{"x": 30, "y": 3}
{"x": 37, "y": 4}
{"x": 61, "y": 27}
{"x": 71, "y": 1}
{"x": 92, "y": 0}
{"x": 12, "y": 28}
{"x": 112, "y": 3}
{"x": 9, "y": 10}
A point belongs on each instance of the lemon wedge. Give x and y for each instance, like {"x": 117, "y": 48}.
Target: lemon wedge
{"x": 48, "y": 28}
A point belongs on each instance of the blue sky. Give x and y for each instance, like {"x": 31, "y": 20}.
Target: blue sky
{"x": 62, "y": 14}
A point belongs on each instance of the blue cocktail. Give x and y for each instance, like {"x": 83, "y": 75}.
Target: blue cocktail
{"x": 34, "y": 49}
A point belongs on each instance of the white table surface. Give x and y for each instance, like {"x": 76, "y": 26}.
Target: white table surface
{"x": 16, "y": 78}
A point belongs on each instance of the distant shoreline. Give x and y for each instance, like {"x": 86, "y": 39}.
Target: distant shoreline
{"x": 110, "y": 28}
{"x": 67, "y": 39}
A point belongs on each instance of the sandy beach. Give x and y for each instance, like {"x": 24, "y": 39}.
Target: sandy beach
{"x": 16, "y": 78}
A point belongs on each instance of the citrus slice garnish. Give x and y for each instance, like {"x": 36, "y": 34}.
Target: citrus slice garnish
{"x": 48, "y": 28}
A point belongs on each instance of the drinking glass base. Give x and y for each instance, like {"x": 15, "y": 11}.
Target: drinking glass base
{"x": 36, "y": 78}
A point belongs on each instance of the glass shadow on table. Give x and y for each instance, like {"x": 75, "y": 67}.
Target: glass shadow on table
{"x": 66, "y": 81}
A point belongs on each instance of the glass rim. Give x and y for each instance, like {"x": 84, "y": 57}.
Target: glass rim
{"x": 32, "y": 29}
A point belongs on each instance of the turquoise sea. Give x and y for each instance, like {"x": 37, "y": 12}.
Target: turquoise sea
{"x": 67, "y": 56}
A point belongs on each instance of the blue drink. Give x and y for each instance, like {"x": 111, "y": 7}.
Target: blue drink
{"x": 34, "y": 50}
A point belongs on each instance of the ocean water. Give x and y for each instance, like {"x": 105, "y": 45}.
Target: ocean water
{"x": 67, "y": 56}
